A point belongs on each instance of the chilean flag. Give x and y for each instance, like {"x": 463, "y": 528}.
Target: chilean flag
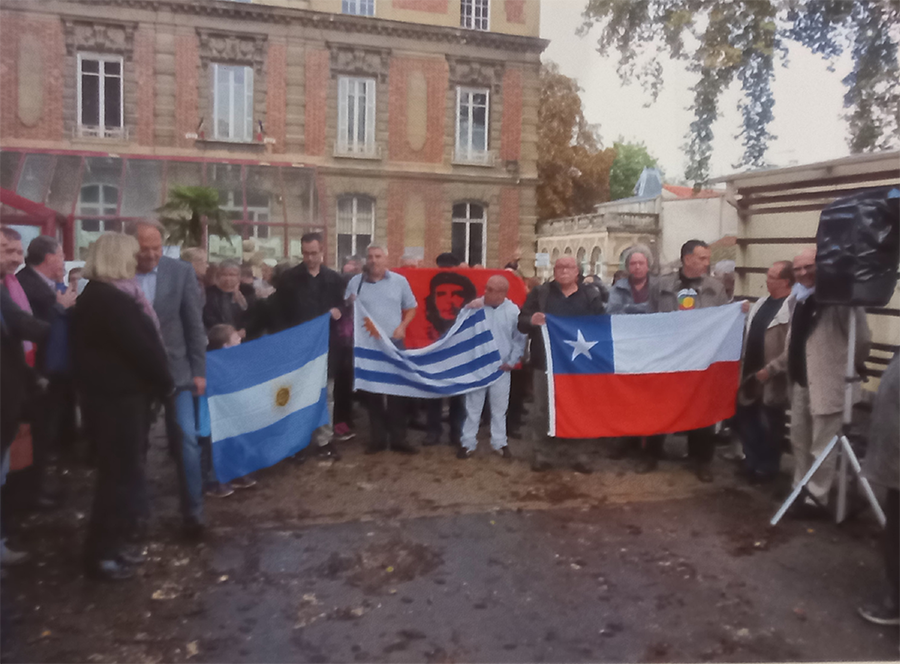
{"x": 642, "y": 374}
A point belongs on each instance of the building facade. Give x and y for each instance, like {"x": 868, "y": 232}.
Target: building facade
{"x": 410, "y": 123}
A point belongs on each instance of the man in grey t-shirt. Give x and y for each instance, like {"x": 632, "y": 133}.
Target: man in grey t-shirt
{"x": 389, "y": 300}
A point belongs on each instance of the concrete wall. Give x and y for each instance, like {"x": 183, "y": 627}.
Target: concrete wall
{"x": 683, "y": 219}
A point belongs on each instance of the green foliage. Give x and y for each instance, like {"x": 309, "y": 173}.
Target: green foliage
{"x": 739, "y": 40}
{"x": 573, "y": 170}
{"x": 630, "y": 161}
{"x": 187, "y": 210}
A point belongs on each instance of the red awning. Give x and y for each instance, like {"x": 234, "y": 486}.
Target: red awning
{"x": 28, "y": 207}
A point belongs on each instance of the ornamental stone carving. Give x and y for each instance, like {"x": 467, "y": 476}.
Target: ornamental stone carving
{"x": 360, "y": 61}
{"x": 103, "y": 37}
{"x": 481, "y": 73}
{"x": 232, "y": 48}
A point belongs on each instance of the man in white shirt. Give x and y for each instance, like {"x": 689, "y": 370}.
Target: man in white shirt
{"x": 502, "y": 317}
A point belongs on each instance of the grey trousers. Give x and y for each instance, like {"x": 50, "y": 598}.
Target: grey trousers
{"x": 810, "y": 435}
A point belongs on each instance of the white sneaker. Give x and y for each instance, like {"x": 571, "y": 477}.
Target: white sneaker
{"x": 8, "y": 557}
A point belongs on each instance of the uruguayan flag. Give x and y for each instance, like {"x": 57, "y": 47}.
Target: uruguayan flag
{"x": 464, "y": 359}
{"x": 266, "y": 397}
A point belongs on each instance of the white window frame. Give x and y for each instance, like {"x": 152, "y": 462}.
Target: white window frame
{"x": 347, "y": 144}
{"x": 355, "y": 223}
{"x": 466, "y": 152}
{"x": 356, "y": 6}
{"x": 101, "y": 130}
{"x": 233, "y": 135}
{"x": 471, "y": 22}
{"x": 470, "y": 221}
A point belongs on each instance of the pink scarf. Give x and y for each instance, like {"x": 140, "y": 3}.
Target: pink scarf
{"x": 18, "y": 296}
{"x": 132, "y": 287}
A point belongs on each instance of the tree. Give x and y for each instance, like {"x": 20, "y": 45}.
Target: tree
{"x": 727, "y": 40}
{"x": 573, "y": 170}
{"x": 184, "y": 215}
{"x": 630, "y": 161}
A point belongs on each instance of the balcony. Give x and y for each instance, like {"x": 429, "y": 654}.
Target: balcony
{"x": 90, "y": 131}
{"x": 470, "y": 157}
{"x": 358, "y": 151}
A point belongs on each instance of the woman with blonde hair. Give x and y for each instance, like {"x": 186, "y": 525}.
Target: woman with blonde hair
{"x": 120, "y": 367}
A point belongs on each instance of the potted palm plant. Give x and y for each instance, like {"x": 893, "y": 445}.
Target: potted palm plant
{"x": 184, "y": 214}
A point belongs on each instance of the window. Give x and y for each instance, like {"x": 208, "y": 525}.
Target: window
{"x": 258, "y": 207}
{"x": 358, "y": 7}
{"x": 472, "y": 125}
{"x": 356, "y": 116}
{"x": 98, "y": 200}
{"x": 355, "y": 225}
{"x": 597, "y": 261}
{"x": 100, "y": 95}
{"x": 474, "y": 14}
{"x": 467, "y": 235}
{"x": 232, "y": 102}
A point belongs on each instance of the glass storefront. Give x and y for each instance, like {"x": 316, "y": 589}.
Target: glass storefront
{"x": 270, "y": 207}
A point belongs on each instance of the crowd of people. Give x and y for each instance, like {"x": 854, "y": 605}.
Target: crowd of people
{"x": 130, "y": 333}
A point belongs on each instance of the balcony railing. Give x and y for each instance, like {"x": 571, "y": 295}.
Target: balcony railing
{"x": 365, "y": 151}
{"x": 469, "y": 157}
{"x": 91, "y": 131}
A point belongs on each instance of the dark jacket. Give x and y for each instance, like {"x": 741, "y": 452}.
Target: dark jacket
{"x": 116, "y": 349}
{"x": 299, "y": 297}
{"x": 17, "y": 379}
{"x": 44, "y": 306}
{"x": 621, "y": 298}
{"x": 544, "y": 299}
{"x": 882, "y": 462}
{"x": 664, "y": 293}
{"x": 221, "y": 309}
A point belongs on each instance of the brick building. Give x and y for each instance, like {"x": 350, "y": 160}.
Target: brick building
{"x": 407, "y": 122}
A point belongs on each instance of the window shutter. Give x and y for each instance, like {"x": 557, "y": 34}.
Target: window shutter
{"x": 370, "y": 115}
{"x": 343, "y": 103}
{"x": 248, "y": 103}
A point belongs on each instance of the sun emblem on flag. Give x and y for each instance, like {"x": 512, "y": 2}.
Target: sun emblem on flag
{"x": 282, "y": 396}
{"x": 370, "y": 328}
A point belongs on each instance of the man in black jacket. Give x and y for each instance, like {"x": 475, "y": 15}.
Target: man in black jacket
{"x": 17, "y": 379}
{"x": 308, "y": 291}
{"x": 563, "y": 296}
{"x": 44, "y": 269}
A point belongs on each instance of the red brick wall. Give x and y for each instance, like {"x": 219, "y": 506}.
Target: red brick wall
{"x": 187, "y": 65}
{"x": 436, "y": 214}
{"x": 276, "y": 100}
{"x": 433, "y": 6}
{"x": 9, "y": 55}
{"x": 436, "y": 79}
{"x": 145, "y": 73}
{"x": 432, "y": 193}
{"x": 511, "y": 127}
{"x": 49, "y": 33}
{"x": 509, "y": 224}
{"x": 396, "y": 222}
{"x": 515, "y": 11}
{"x": 317, "y": 69}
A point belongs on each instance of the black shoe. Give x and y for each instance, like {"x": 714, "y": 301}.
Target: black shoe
{"x": 504, "y": 452}
{"x": 193, "y": 531}
{"x": 431, "y": 440}
{"x": 806, "y": 509}
{"x": 463, "y": 453}
{"x": 329, "y": 451}
{"x": 455, "y": 441}
{"x": 704, "y": 473}
{"x": 645, "y": 465}
{"x": 758, "y": 478}
{"x": 131, "y": 556}
{"x": 885, "y": 612}
{"x": 404, "y": 448}
{"x": 515, "y": 434}
{"x": 375, "y": 448}
{"x": 108, "y": 570}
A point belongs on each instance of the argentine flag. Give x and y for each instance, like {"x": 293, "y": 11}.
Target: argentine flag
{"x": 266, "y": 397}
{"x": 464, "y": 359}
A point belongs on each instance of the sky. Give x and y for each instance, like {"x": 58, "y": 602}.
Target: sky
{"x": 808, "y": 108}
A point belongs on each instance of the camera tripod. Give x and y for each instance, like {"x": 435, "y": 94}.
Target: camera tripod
{"x": 840, "y": 445}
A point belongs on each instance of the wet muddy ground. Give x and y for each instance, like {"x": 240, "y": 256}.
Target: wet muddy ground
{"x": 427, "y": 558}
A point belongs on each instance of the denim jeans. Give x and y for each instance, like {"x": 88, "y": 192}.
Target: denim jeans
{"x": 761, "y": 430}
{"x": 181, "y": 427}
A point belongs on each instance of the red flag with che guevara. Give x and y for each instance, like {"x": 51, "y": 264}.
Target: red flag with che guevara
{"x": 442, "y": 292}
